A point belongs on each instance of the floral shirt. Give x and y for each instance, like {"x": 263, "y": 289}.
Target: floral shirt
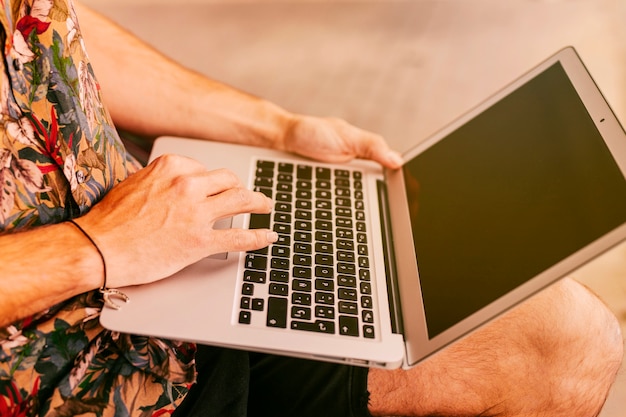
{"x": 59, "y": 155}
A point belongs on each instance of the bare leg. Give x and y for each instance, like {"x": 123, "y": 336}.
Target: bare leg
{"x": 555, "y": 355}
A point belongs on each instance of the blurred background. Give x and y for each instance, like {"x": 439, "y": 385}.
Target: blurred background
{"x": 402, "y": 68}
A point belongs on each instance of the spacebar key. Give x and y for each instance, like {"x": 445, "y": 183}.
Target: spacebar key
{"x": 277, "y": 312}
{"x": 320, "y": 326}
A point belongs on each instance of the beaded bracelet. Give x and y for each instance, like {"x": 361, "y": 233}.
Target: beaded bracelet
{"x": 107, "y": 293}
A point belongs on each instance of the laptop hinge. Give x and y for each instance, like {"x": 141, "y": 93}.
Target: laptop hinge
{"x": 390, "y": 263}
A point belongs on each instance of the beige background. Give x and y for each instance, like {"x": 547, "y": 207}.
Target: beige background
{"x": 401, "y": 68}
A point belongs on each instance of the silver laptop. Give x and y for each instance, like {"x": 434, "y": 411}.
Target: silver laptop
{"x": 384, "y": 268}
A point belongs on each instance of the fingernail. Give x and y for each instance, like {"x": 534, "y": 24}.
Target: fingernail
{"x": 272, "y": 237}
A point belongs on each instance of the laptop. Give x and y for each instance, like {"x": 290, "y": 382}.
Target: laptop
{"x": 384, "y": 268}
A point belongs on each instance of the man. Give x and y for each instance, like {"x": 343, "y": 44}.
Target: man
{"x": 78, "y": 214}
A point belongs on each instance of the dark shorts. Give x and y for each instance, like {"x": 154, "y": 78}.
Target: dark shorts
{"x": 237, "y": 383}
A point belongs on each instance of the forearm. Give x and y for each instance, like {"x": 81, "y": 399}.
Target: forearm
{"x": 43, "y": 267}
{"x": 149, "y": 94}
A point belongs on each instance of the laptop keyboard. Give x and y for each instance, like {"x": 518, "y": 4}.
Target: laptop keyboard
{"x": 316, "y": 277}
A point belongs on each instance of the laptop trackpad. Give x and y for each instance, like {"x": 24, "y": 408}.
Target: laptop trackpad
{"x": 221, "y": 225}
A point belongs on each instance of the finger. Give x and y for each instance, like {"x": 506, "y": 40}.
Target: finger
{"x": 375, "y": 148}
{"x": 238, "y": 200}
{"x": 221, "y": 180}
{"x": 176, "y": 164}
{"x": 239, "y": 240}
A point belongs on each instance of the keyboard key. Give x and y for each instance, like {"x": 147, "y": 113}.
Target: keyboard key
{"x": 325, "y": 312}
{"x": 364, "y": 275}
{"x": 323, "y": 225}
{"x": 280, "y": 263}
{"x": 323, "y": 185}
{"x": 325, "y": 298}
{"x": 285, "y": 177}
{"x": 301, "y": 285}
{"x": 348, "y": 325}
{"x": 323, "y": 214}
{"x": 304, "y": 204}
{"x": 300, "y": 247}
{"x": 367, "y": 316}
{"x": 342, "y": 173}
{"x": 343, "y": 212}
{"x": 345, "y": 256}
{"x": 279, "y": 289}
{"x": 323, "y": 204}
{"x": 299, "y": 298}
{"x": 303, "y": 225}
{"x": 348, "y": 294}
{"x": 302, "y": 272}
{"x": 282, "y": 228}
{"x": 324, "y": 272}
{"x": 368, "y": 331}
{"x": 304, "y": 215}
{"x": 245, "y": 303}
{"x": 283, "y": 240}
{"x": 325, "y": 285}
{"x": 342, "y": 182}
{"x": 277, "y": 312}
{"x": 345, "y": 244}
{"x": 320, "y": 326}
{"x": 284, "y": 187}
{"x": 247, "y": 288}
{"x": 285, "y": 167}
{"x": 346, "y": 268}
{"x": 322, "y": 173}
{"x": 305, "y": 172}
{"x": 281, "y": 251}
{"x": 256, "y": 262}
{"x": 323, "y": 236}
{"x": 279, "y": 276}
{"x": 342, "y": 192}
{"x": 254, "y": 276}
{"x": 366, "y": 301}
{"x": 245, "y": 317}
{"x": 325, "y": 194}
{"x": 281, "y": 217}
{"x": 258, "y": 304}
{"x": 347, "y": 307}
{"x": 283, "y": 207}
{"x": 323, "y": 247}
{"x": 304, "y": 195}
{"x": 265, "y": 164}
{"x": 305, "y": 237}
{"x": 344, "y": 233}
{"x": 264, "y": 182}
{"x": 324, "y": 259}
{"x": 343, "y": 222}
{"x": 302, "y": 260}
{"x": 346, "y": 281}
{"x": 302, "y": 313}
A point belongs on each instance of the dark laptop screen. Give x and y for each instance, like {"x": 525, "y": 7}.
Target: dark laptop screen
{"x": 523, "y": 185}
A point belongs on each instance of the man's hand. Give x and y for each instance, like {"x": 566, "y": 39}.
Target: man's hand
{"x": 334, "y": 140}
{"x": 161, "y": 219}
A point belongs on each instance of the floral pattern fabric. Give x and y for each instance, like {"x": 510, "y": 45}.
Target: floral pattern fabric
{"x": 59, "y": 155}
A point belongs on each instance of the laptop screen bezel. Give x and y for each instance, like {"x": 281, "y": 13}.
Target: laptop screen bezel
{"x": 418, "y": 344}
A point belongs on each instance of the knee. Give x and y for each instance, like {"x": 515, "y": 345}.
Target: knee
{"x": 580, "y": 348}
